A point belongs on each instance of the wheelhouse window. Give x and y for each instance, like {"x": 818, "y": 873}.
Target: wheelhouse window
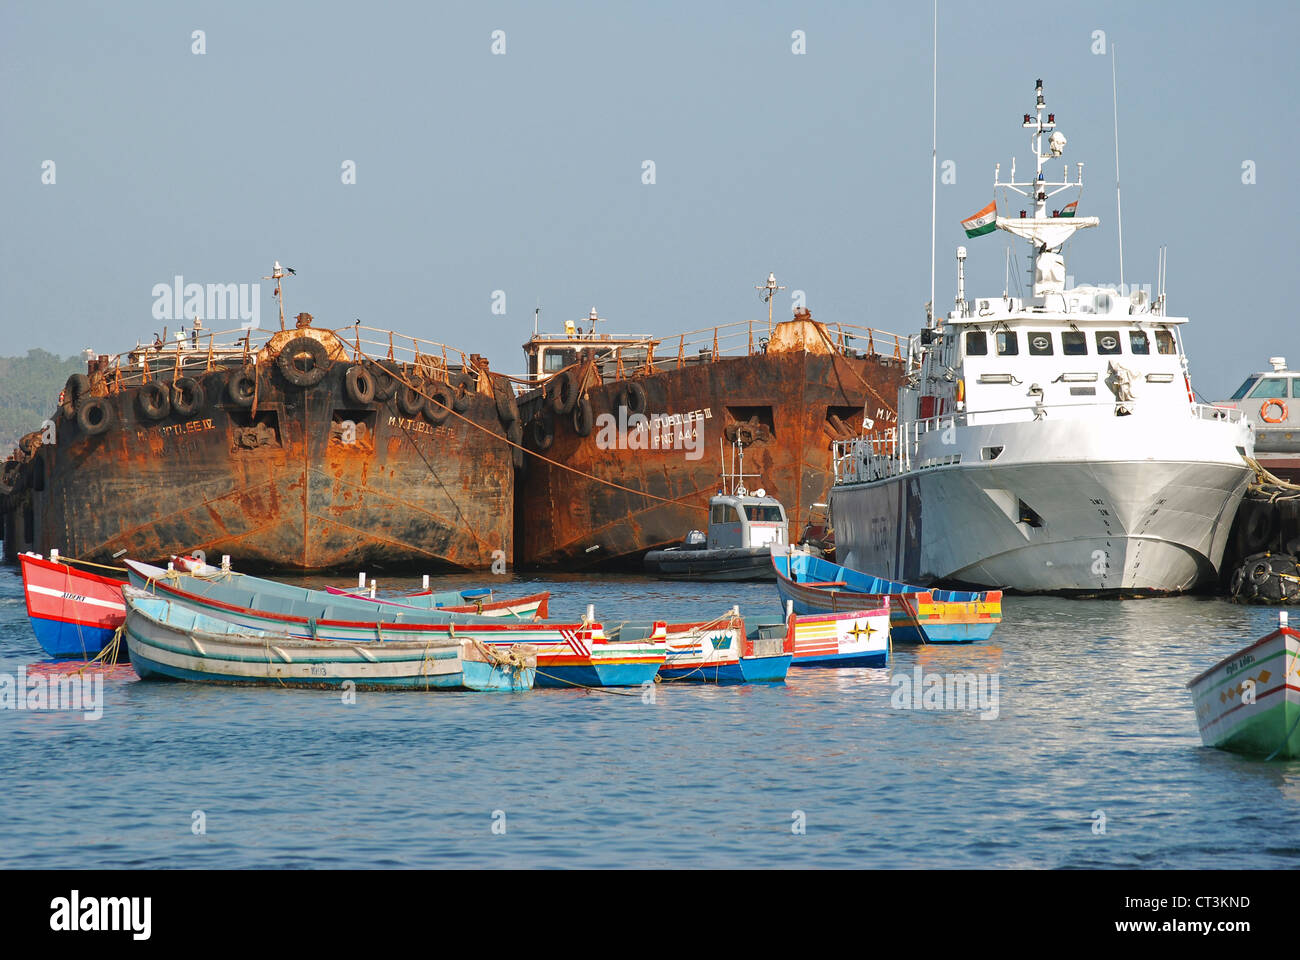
{"x": 1040, "y": 343}
{"x": 1245, "y": 388}
{"x": 1165, "y": 343}
{"x": 1138, "y": 343}
{"x": 1270, "y": 388}
{"x": 1008, "y": 343}
{"x": 977, "y": 343}
{"x": 552, "y": 361}
{"x": 1074, "y": 344}
{"x": 764, "y": 514}
{"x": 1108, "y": 342}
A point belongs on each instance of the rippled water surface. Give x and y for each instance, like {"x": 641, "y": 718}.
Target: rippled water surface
{"x": 1092, "y": 717}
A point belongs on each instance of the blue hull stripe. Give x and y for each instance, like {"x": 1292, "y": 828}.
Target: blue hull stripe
{"x": 65, "y": 640}
{"x": 598, "y": 675}
{"x": 876, "y": 658}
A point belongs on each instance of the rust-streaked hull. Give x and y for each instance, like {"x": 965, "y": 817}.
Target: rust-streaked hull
{"x": 567, "y": 519}
{"x": 280, "y": 492}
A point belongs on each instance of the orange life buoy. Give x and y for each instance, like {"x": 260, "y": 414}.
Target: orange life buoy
{"x": 1281, "y": 404}
{"x": 961, "y": 390}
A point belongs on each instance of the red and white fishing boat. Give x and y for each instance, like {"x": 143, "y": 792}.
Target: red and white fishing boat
{"x": 74, "y": 612}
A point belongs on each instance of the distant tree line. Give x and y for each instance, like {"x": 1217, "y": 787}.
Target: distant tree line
{"x": 29, "y": 392}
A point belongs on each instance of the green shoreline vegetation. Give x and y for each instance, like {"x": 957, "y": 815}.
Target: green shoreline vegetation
{"x": 29, "y": 392}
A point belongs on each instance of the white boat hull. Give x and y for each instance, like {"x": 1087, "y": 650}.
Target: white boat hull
{"x": 1102, "y": 527}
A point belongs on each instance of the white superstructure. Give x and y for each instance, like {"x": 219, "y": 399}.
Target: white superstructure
{"x": 1045, "y": 443}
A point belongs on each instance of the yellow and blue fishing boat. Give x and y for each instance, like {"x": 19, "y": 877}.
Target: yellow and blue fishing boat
{"x": 811, "y": 585}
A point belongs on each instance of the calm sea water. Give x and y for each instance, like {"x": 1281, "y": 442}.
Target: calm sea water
{"x": 1093, "y": 721}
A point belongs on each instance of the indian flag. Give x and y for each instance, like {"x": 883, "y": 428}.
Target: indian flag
{"x": 983, "y": 222}
{"x": 1070, "y": 209}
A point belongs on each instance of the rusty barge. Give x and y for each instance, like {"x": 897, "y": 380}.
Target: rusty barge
{"x": 293, "y": 451}
{"x": 626, "y": 436}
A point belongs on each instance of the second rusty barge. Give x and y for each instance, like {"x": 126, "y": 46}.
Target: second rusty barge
{"x": 627, "y": 441}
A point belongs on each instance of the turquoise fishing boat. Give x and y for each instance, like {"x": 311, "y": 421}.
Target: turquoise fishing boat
{"x": 168, "y": 640}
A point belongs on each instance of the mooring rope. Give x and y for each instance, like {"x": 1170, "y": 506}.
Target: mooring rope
{"x": 401, "y": 378}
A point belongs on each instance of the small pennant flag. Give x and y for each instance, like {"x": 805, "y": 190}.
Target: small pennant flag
{"x": 1070, "y": 209}
{"x": 983, "y": 222}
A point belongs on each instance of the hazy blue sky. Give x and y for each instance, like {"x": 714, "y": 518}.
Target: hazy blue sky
{"x": 522, "y": 172}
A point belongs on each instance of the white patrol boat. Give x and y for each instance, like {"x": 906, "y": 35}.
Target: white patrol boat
{"x": 743, "y": 527}
{"x": 1266, "y": 398}
{"x": 1048, "y": 443}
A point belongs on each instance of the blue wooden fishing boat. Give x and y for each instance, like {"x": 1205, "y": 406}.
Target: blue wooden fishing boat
{"x": 721, "y": 651}
{"x": 917, "y": 615}
{"x": 169, "y": 640}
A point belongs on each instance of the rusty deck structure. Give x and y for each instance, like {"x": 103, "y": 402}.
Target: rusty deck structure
{"x": 297, "y": 451}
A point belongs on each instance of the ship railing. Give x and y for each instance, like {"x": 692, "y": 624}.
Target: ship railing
{"x": 738, "y": 338}
{"x": 1208, "y": 411}
{"x": 199, "y": 350}
{"x": 749, "y": 337}
{"x": 894, "y": 451}
{"x": 379, "y": 344}
{"x": 187, "y": 355}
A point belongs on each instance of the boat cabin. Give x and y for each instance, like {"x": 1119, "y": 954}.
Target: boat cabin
{"x": 746, "y": 520}
{"x": 1093, "y": 354}
{"x": 1265, "y": 398}
{"x": 547, "y": 353}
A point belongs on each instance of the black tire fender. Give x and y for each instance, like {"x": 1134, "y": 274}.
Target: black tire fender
{"x": 437, "y": 408}
{"x": 507, "y": 408}
{"x": 94, "y": 416}
{"x": 515, "y": 434}
{"x": 463, "y": 395}
{"x": 385, "y": 384}
{"x": 187, "y": 396}
{"x": 76, "y": 387}
{"x": 631, "y": 395}
{"x": 154, "y": 400}
{"x": 1257, "y": 529}
{"x": 563, "y": 392}
{"x": 583, "y": 418}
{"x": 540, "y": 434}
{"x": 410, "y": 397}
{"x": 359, "y": 385}
{"x": 292, "y": 355}
{"x": 242, "y": 386}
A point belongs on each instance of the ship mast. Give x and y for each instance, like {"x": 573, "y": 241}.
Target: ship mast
{"x": 278, "y": 274}
{"x": 769, "y": 290}
{"x": 1047, "y": 234}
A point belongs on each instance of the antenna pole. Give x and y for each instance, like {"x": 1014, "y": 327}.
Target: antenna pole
{"x": 934, "y": 159}
{"x": 767, "y": 291}
{"x": 1119, "y": 212}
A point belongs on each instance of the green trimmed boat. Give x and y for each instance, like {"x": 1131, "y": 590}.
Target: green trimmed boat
{"x": 1250, "y": 702}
